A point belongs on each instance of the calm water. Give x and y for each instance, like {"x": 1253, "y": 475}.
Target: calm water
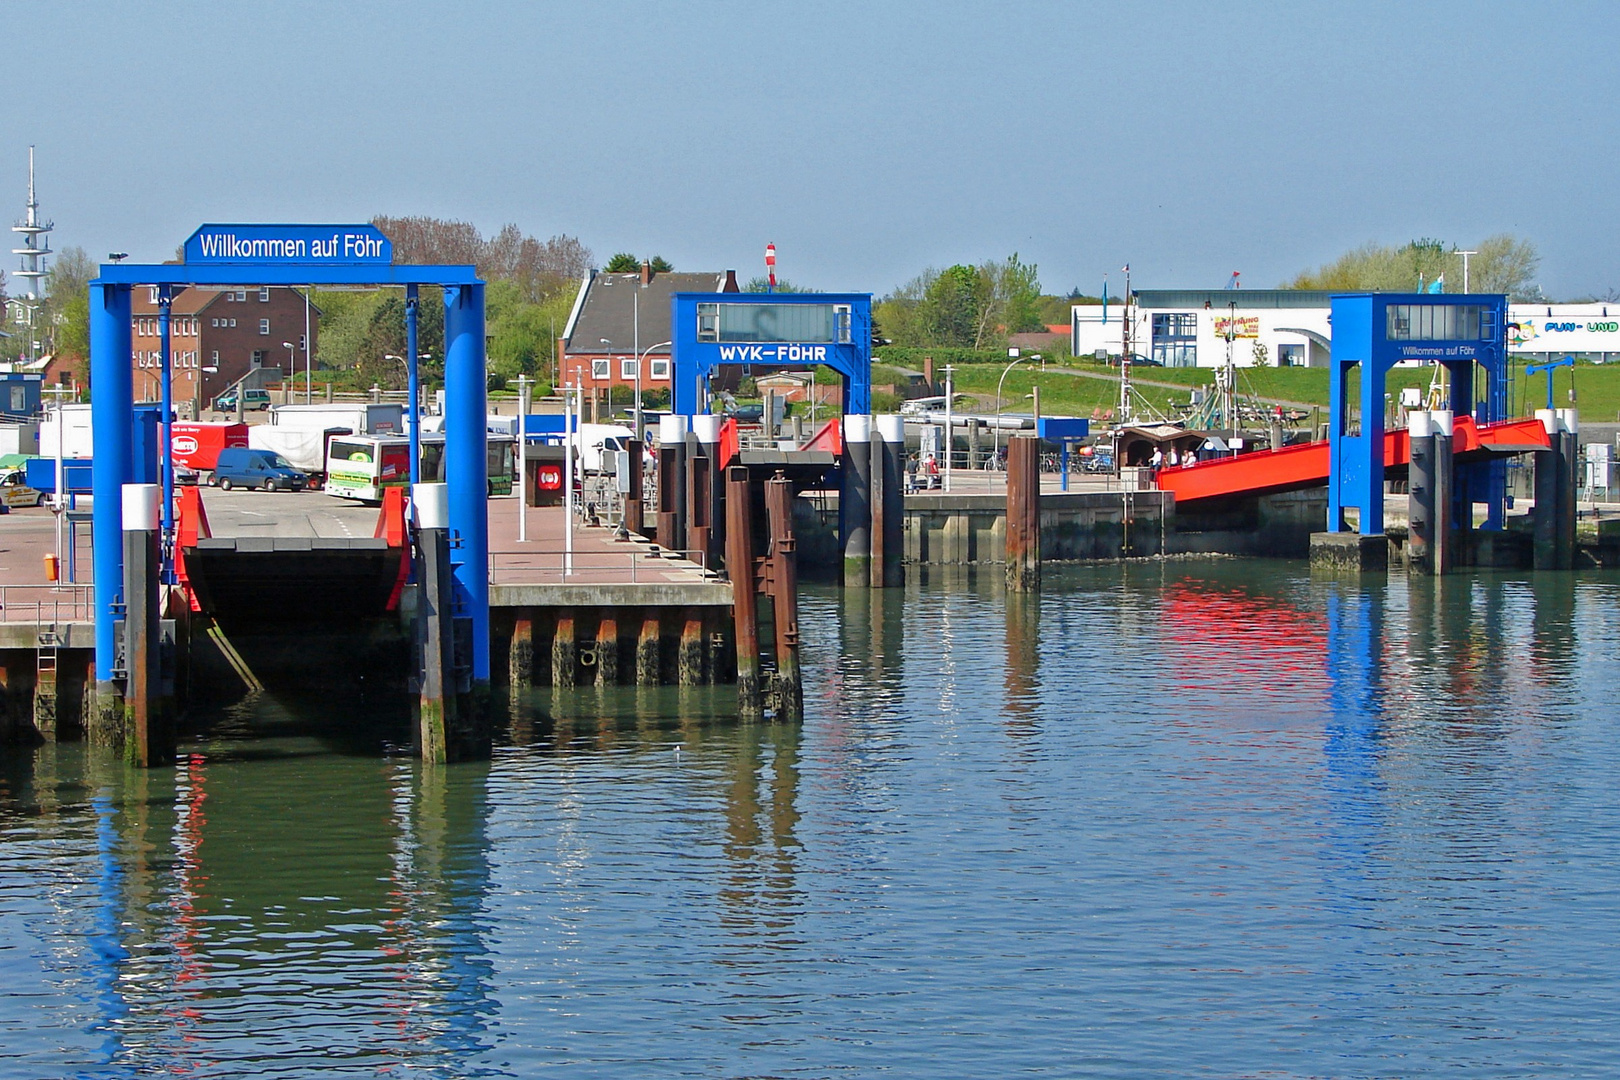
{"x": 1192, "y": 819}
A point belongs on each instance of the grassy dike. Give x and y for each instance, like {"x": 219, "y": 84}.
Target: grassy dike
{"x": 1075, "y": 388}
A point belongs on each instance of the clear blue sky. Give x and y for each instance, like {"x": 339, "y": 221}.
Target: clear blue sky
{"x": 867, "y": 140}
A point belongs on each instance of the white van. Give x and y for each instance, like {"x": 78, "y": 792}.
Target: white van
{"x": 592, "y": 439}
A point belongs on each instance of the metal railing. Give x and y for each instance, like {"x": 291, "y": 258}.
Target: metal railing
{"x": 47, "y": 604}
{"x": 591, "y": 566}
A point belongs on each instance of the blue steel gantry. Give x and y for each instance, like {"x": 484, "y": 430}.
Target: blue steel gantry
{"x": 1376, "y": 331}
{"x": 218, "y": 256}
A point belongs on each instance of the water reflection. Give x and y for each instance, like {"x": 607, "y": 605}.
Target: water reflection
{"x": 1182, "y": 818}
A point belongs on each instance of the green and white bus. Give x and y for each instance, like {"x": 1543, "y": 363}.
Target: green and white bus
{"x": 362, "y": 466}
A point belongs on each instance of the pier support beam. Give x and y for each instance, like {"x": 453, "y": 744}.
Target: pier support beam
{"x": 1443, "y": 546}
{"x": 435, "y": 627}
{"x": 855, "y": 501}
{"x": 520, "y": 660}
{"x": 888, "y": 502}
{"x": 689, "y": 660}
{"x": 1420, "y": 537}
{"x": 564, "y": 650}
{"x": 744, "y": 599}
{"x": 1548, "y": 479}
{"x": 466, "y": 464}
{"x": 1569, "y": 462}
{"x": 671, "y": 482}
{"x": 703, "y": 500}
{"x": 607, "y": 651}
{"x": 634, "y": 508}
{"x": 783, "y": 578}
{"x": 647, "y": 648}
{"x": 148, "y": 739}
{"x": 1023, "y": 513}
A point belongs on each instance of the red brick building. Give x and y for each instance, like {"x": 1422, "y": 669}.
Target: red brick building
{"x": 615, "y": 312}
{"x": 218, "y": 338}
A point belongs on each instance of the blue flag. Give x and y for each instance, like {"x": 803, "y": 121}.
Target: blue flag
{"x": 1105, "y": 302}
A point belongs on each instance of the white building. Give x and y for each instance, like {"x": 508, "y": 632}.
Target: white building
{"x": 1189, "y": 328}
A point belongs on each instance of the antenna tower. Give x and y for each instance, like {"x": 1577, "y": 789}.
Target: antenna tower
{"x": 36, "y": 245}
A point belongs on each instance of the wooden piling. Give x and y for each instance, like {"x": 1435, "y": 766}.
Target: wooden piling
{"x": 520, "y": 660}
{"x": 1023, "y": 513}
{"x": 147, "y": 738}
{"x": 647, "y": 643}
{"x": 744, "y": 601}
{"x": 689, "y": 661}
{"x": 784, "y": 583}
{"x": 607, "y": 651}
{"x": 564, "y": 650}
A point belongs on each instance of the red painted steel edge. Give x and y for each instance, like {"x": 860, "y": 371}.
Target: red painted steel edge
{"x": 1306, "y": 465}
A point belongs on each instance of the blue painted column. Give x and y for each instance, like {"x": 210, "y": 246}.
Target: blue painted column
{"x": 413, "y": 415}
{"x": 166, "y": 422}
{"x": 466, "y": 464}
{"x": 112, "y": 404}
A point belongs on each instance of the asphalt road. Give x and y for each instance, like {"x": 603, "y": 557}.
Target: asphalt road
{"x": 286, "y": 513}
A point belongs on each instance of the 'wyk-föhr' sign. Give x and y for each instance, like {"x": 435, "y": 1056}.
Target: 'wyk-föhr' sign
{"x": 324, "y": 245}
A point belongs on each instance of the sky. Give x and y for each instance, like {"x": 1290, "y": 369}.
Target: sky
{"x": 866, "y": 140}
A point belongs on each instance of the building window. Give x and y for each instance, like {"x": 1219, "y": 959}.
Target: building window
{"x": 233, "y": 322}
{"x": 659, "y": 367}
{"x": 1175, "y": 340}
{"x": 213, "y": 358}
{"x": 1291, "y": 356}
{"x": 1433, "y": 322}
{"x": 841, "y": 318}
{"x": 600, "y": 368}
{"x": 708, "y": 322}
{"x": 241, "y": 295}
{"x": 264, "y": 294}
{"x": 258, "y": 358}
{"x": 264, "y": 326}
{"x": 627, "y": 368}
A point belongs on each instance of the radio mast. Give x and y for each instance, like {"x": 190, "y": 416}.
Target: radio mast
{"x": 36, "y": 245}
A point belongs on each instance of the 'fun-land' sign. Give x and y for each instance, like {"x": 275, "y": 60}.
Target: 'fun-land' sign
{"x": 278, "y": 244}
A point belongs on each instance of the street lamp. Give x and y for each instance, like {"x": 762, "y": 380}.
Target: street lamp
{"x": 292, "y": 371}
{"x": 641, "y": 362}
{"x": 1464, "y": 254}
{"x": 997, "y": 438}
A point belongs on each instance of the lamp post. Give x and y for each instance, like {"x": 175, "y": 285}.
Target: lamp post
{"x": 524, "y": 382}
{"x": 641, "y": 362}
{"x": 950, "y": 430}
{"x": 1015, "y": 359}
{"x": 58, "y": 501}
{"x": 292, "y": 370}
{"x": 1464, "y": 254}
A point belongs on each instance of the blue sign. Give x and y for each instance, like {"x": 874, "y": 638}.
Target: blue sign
{"x": 328, "y": 245}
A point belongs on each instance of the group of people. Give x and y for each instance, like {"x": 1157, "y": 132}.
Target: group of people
{"x": 1160, "y": 459}
{"x": 922, "y": 473}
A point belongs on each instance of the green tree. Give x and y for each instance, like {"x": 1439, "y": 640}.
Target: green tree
{"x": 626, "y": 263}
{"x": 1502, "y": 264}
{"x": 67, "y": 304}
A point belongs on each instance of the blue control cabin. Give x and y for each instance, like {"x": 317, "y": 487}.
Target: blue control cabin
{"x": 764, "y": 332}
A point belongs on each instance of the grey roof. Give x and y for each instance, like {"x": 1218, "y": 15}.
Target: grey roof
{"x": 1244, "y": 298}
{"x": 611, "y": 309}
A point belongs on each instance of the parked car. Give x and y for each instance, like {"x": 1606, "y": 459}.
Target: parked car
{"x": 747, "y": 414}
{"x": 185, "y": 475}
{"x": 14, "y": 491}
{"x": 242, "y": 466}
{"x": 252, "y": 400}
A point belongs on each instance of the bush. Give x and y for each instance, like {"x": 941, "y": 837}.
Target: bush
{"x": 912, "y": 356}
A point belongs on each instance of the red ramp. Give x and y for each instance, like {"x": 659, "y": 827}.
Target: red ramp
{"x": 1294, "y": 467}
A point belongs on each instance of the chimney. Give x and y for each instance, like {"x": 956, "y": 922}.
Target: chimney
{"x": 731, "y": 282}
{"x": 646, "y": 272}
{"x": 928, "y": 373}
